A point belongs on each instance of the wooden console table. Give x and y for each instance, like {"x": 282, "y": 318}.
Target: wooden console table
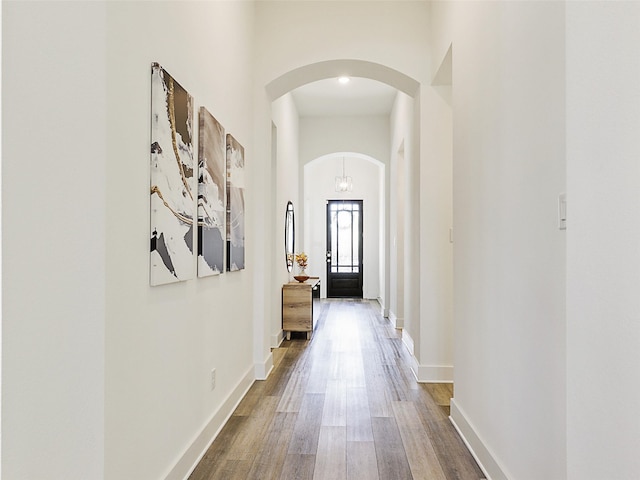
{"x": 297, "y": 306}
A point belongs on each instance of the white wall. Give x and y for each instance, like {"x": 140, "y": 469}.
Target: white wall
{"x": 368, "y": 135}
{"x": 294, "y": 34}
{"x": 54, "y": 244}
{"x": 441, "y": 32}
{"x": 435, "y": 352}
{"x": 401, "y": 139}
{"x": 319, "y": 186}
{"x": 288, "y": 173}
{"x": 509, "y": 256}
{"x": 162, "y": 342}
{"x": 603, "y": 240}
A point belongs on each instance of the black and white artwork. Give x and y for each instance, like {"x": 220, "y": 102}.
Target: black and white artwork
{"x": 235, "y": 205}
{"x": 173, "y": 186}
{"x": 211, "y": 195}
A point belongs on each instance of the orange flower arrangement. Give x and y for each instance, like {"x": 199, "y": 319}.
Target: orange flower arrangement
{"x": 301, "y": 260}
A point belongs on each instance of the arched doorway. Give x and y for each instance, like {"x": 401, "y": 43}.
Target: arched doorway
{"x": 392, "y": 295}
{"x": 368, "y": 176}
{"x": 402, "y": 190}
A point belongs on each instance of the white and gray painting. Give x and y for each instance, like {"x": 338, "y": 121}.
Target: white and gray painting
{"x": 211, "y": 202}
{"x": 235, "y": 205}
{"x": 173, "y": 187}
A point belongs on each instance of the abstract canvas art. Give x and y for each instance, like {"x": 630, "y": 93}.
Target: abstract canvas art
{"x": 211, "y": 195}
{"x": 235, "y": 205}
{"x": 173, "y": 186}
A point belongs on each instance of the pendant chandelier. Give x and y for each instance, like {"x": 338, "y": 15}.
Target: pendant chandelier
{"x": 343, "y": 183}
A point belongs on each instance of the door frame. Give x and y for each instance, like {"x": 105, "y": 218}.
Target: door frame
{"x": 345, "y": 284}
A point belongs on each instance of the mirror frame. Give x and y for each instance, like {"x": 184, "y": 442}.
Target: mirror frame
{"x": 289, "y": 236}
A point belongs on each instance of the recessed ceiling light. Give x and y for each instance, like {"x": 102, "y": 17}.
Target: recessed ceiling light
{"x": 344, "y": 80}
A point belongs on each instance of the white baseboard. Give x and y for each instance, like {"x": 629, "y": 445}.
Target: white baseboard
{"x": 395, "y": 321}
{"x": 201, "y": 443}
{"x": 408, "y": 342}
{"x": 426, "y": 373}
{"x": 276, "y": 339}
{"x": 435, "y": 374}
{"x": 486, "y": 460}
{"x": 263, "y": 369}
{"x": 383, "y": 311}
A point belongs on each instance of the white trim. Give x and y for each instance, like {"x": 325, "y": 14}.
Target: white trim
{"x": 426, "y": 373}
{"x": 262, "y": 370}
{"x": 486, "y": 460}
{"x": 408, "y": 342}
{"x": 201, "y": 443}
{"x": 334, "y": 68}
{"x": 383, "y": 311}
{"x": 360, "y": 156}
{"x": 435, "y": 374}
{"x": 276, "y": 339}
{"x": 395, "y": 321}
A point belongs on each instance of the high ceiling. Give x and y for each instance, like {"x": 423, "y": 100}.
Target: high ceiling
{"x": 360, "y": 96}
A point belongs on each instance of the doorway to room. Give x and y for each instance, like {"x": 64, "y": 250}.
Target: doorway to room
{"x": 344, "y": 248}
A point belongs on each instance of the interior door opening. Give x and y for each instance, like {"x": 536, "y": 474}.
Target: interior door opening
{"x": 344, "y": 248}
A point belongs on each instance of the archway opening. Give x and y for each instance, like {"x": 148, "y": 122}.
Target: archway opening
{"x": 401, "y": 127}
{"x": 368, "y": 176}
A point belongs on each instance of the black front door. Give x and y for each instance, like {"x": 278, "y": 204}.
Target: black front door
{"x": 344, "y": 248}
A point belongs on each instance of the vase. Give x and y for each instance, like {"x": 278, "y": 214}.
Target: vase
{"x": 302, "y": 275}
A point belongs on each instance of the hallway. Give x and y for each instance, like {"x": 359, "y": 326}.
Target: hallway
{"x": 343, "y": 405}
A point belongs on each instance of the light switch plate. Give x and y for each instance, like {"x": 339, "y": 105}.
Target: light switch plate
{"x": 562, "y": 211}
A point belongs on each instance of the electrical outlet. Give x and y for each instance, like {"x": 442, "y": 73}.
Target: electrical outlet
{"x": 213, "y": 379}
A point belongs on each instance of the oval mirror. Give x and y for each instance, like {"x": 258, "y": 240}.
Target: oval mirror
{"x": 289, "y": 236}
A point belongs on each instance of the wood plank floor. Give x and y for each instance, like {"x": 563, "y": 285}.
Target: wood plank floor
{"x": 343, "y": 405}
